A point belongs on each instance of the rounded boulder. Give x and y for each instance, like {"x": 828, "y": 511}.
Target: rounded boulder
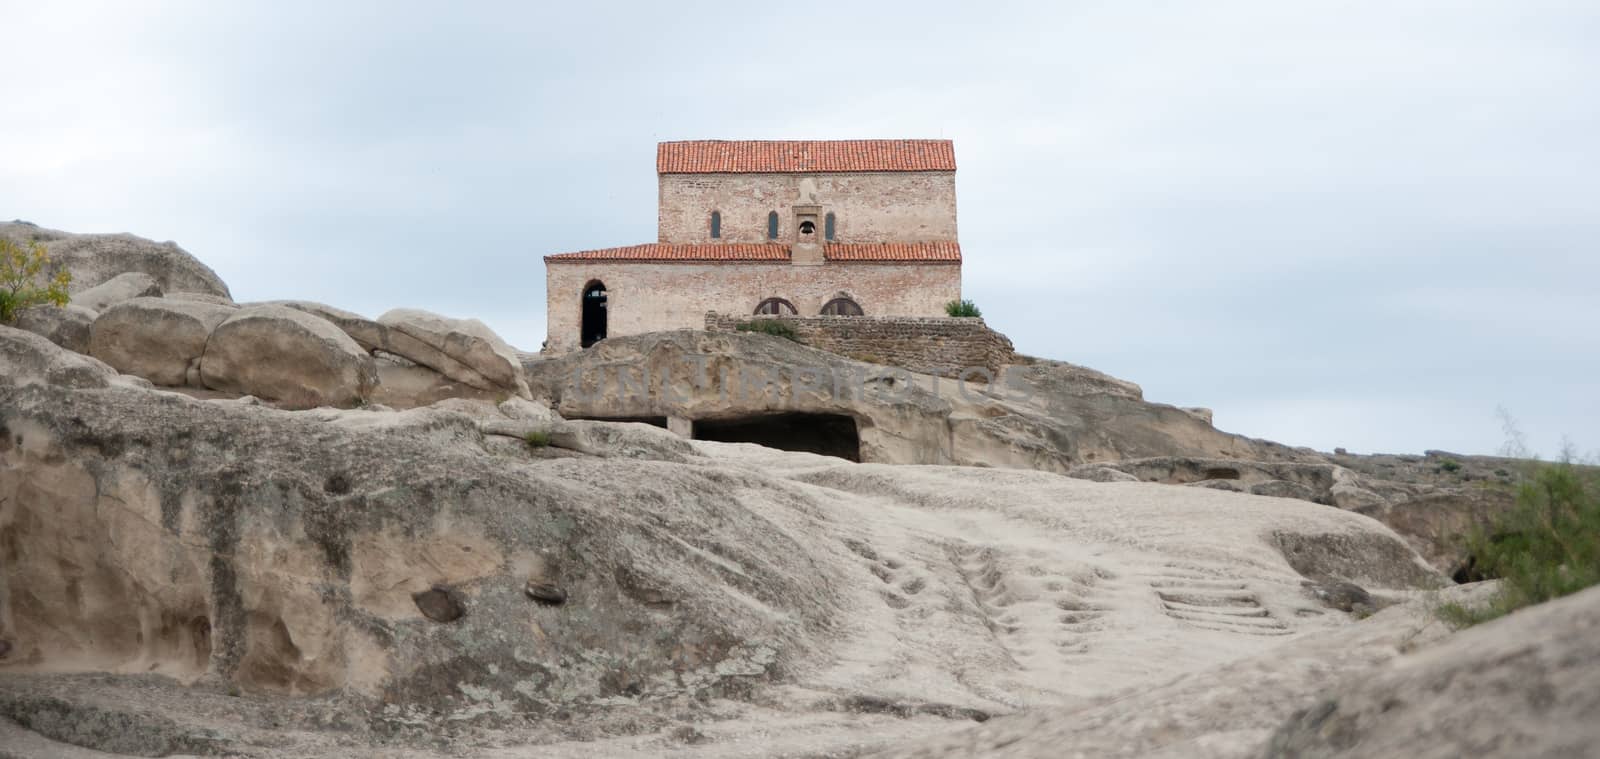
{"x": 155, "y": 338}
{"x": 287, "y": 356}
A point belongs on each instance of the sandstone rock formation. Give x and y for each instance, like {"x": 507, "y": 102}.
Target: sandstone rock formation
{"x": 66, "y": 326}
{"x": 1044, "y": 416}
{"x": 96, "y": 258}
{"x": 454, "y": 562}
{"x": 1522, "y": 686}
{"x": 284, "y": 554}
{"x": 158, "y": 339}
{"x": 462, "y": 349}
{"x": 282, "y": 354}
{"x": 31, "y": 360}
{"x": 124, "y": 286}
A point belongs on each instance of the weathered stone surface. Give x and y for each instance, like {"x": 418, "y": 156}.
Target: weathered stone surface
{"x": 463, "y": 349}
{"x": 124, "y": 286}
{"x": 1344, "y": 596}
{"x": 114, "y": 731}
{"x": 963, "y": 348}
{"x": 66, "y": 326}
{"x": 439, "y": 604}
{"x": 692, "y": 571}
{"x": 221, "y": 300}
{"x": 1521, "y": 686}
{"x": 96, "y": 258}
{"x": 1224, "y": 712}
{"x": 155, "y": 338}
{"x": 1041, "y": 416}
{"x": 369, "y": 334}
{"x": 30, "y": 359}
{"x": 286, "y": 355}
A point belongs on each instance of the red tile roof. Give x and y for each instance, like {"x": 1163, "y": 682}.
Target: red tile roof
{"x": 892, "y": 251}
{"x": 800, "y": 156}
{"x": 911, "y": 252}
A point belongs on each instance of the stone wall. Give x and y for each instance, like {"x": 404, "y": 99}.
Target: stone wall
{"x": 650, "y": 297}
{"x": 941, "y": 346}
{"x": 902, "y": 206}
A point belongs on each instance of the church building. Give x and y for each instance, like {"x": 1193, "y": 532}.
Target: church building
{"x": 844, "y": 228}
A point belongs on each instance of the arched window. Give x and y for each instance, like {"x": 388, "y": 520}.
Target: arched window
{"x": 716, "y": 224}
{"x": 841, "y": 306}
{"x": 776, "y": 307}
{"x": 772, "y": 225}
{"x": 827, "y": 226}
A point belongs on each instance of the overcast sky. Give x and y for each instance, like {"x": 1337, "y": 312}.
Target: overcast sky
{"x": 1358, "y": 224}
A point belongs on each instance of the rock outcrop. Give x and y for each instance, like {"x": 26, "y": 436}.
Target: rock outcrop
{"x": 1042, "y": 416}
{"x": 66, "y": 326}
{"x": 158, "y": 339}
{"x": 281, "y": 354}
{"x": 30, "y": 359}
{"x": 96, "y": 258}
{"x": 464, "y": 350}
{"x": 1522, "y": 686}
{"x": 386, "y": 558}
{"x": 124, "y": 286}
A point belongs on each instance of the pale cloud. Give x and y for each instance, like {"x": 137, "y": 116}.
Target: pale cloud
{"x": 1336, "y": 222}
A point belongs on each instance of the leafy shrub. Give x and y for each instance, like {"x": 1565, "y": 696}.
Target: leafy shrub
{"x": 537, "y": 438}
{"x": 774, "y": 327}
{"x": 1545, "y": 547}
{"x": 1450, "y": 465}
{"x": 962, "y": 308}
{"x": 20, "y": 270}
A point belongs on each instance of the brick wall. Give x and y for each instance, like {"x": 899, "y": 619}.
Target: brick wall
{"x": 939, "y": 346}
{"x": 650, "y": 297}
{"x": 902, "y": 206}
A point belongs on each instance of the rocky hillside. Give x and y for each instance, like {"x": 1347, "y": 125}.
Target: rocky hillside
{"x": 283, "y": 529}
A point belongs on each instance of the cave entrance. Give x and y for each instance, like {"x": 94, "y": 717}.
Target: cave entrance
{"x": 593, "y": 329}
{"x": 827, "y": 434}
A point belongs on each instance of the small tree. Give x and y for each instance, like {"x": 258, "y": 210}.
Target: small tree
{"x": 20, "y": 272}
{"x": 962, "y": 308}
{"x": 1545, "y": 547}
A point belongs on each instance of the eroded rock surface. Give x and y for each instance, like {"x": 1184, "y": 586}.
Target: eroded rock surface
{"x": 282, "y": 555}
{"x": 286, "y": 355}
{"x": 158, "y": 339}
{"x": 1521, "y": 686}
{"x": 124, "y": 286}
{"x": 465, "y": 350}
{"x": 96, "y": 258}
{"x": 66, "y": 326}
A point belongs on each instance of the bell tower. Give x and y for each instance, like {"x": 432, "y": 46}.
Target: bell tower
{"x": 806, "y": 249}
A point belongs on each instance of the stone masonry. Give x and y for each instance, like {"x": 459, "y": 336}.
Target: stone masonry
{"x": 867, "y": 207}
{"x": 841, "y": 228}
{"x": 648, "y": 297}
{"x": 940, "y": 347}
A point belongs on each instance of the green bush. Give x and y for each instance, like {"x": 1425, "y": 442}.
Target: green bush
{"x": 537, "y": 438}
{"x": 20, "y": 270}
{"x": 1545, "y": 547}
{"x": 962, "y": 308}
{"x": 1450, "y": 465}
{"x": 774, "y": 327}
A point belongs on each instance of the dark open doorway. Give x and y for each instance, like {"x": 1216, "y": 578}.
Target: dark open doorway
{"x": 594, "y": 314}
{"x": 827, "y": 434}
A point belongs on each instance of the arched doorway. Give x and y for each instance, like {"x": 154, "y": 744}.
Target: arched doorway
{"x": 594, "y": 314}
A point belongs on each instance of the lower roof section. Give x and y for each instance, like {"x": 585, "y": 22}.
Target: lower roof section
{"x": 711, "y": 252}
